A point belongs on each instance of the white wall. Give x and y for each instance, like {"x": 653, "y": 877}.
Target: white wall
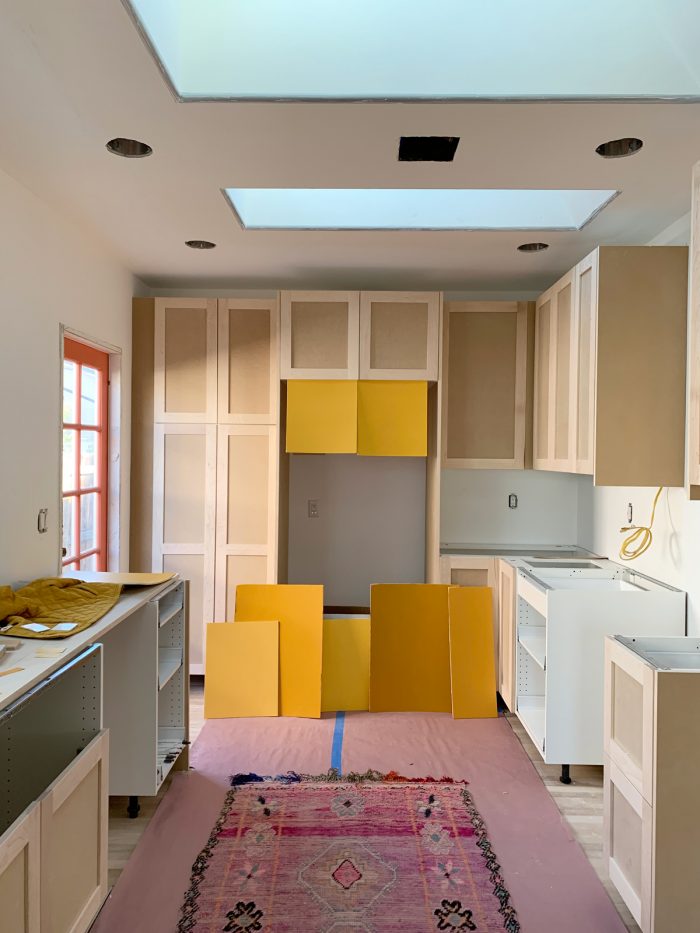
{"x": 371, "y": 524}
{"x": 474, "y": 507}
{"x": 51, "y": 273}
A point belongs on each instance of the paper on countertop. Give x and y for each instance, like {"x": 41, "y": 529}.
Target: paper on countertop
{"x": 35, "y": 626}
{"x": 64, "y": 627}
{"x": 49, "y": 651}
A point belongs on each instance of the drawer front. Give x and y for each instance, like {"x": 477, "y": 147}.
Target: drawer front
{"x": 628, "y": 837}
{"x": 19, "y": 873}
{"x": 629, "y": 716}
{"x": 74, "y": 842}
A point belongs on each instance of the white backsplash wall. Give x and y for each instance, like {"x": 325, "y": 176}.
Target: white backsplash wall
{"x": 370, "y": 527}
{"x": 551, "y": 507}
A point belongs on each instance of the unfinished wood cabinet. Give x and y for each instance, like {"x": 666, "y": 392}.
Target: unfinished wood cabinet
{"x": 74, "y": 816}
{"x": 487, "y": 374}
{"x": 507, "y": 632}
{"x": 553, "y": 377}
{"x": 652, "y": 735}
{"x": 248, "y": 361}
{"x": 610, "y": 368}
{"x": 693, "y": 475}
{"x": 19, "y": 873}
{"x": 399, "y": 335}
{"x": 184, "y": 516}
{"x": 185, "y": 366}
{"x": 247, "y": 505}
{"x": 319, "y": 335}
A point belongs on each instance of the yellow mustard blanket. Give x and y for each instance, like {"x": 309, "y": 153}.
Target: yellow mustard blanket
{"x": 48, "y": 604}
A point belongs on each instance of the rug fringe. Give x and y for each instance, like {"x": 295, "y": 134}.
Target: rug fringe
{"x": 334, "y": 776}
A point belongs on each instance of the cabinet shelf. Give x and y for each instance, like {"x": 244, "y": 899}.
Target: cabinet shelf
{"x": 169, "y": 663}
{"x": 169, "y": 615}
{"x": 534, "y": 641}
{"x": 531, "y": 712}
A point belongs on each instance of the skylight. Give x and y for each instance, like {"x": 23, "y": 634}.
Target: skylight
{"x": 415, "y": 208}
{"x": 442, "y": 49}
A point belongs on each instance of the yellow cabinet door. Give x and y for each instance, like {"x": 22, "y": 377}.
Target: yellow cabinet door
{"x": 392, "y": 419}
{"x": 321, "y": 417}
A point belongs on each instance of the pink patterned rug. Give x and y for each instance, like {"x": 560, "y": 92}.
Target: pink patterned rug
{"x": 372, "y": 853}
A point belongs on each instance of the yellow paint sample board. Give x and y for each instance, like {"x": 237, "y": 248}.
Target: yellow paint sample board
{"x": 409, "y": 652}
{"x": 345, "y": 664}
{"x": 392, "y": 419}
{"x": 472, "y": 660}
{"x": 321, "y": 416}
{"x": 299, "y": 610}
{"x": 241, "y": 670}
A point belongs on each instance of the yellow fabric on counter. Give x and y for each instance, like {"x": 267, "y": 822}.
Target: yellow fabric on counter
{"x": 51, "y": 601}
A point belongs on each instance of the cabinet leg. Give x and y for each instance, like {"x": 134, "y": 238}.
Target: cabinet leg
{"x": 565, "y": 776}
{"x": 133, "y": 808}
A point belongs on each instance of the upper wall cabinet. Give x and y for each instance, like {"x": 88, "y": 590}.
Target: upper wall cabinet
{"x": 184, "y": 376}
{"x": 554, "y": 377}
{"x": 366, "y": 335}
{"x": 610, "y": 368}
{"x": 399, "y": 334}
{"x": 694, "y": 371}
{"x": 487, "y": 384}
{"x": 320, "y": 335}
{"x": 248, "y": 362}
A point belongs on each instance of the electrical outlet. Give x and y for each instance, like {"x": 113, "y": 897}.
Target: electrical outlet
{"x": 629, "y": 513}
{"x": 313, "y": 508}
{"x": 512, "y": 501}
{"x": 42, "y": 521}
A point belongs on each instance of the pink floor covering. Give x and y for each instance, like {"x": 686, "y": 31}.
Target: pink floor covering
{"x": 552, "y": 885}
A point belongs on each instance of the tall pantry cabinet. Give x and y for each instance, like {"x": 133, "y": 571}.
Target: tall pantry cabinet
{"x": 205, "y": 448}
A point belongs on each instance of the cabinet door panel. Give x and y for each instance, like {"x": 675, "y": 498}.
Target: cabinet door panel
{"x": 399, "y": 335}
{"x": 485, "y": 372}
{"x": 19, "y": 873}
{"x": 563, "y": 382}
{"x": 184, "y": 503}
{"x": 74, "y": 813}
{"x": 542, "y": 454}
{"x": 585, "y": 344}
{"x": 320, "y": 335}
{"x": 184, "y": 378}
{"x": 248, "y": 362}
{"x": 247, "y": 508}
{"x": 506, "y": 633}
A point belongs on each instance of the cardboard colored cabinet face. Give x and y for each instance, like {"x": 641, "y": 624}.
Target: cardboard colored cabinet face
{"x": 345, "y": 664}
{"x": 409, "y": 653}
{"x": 472, "y": 659}
{"x": 299, "y": 610}
{"x": 392, "y": 418}
{"x": 242, "y": 670}
{"x": 321, "y": 416}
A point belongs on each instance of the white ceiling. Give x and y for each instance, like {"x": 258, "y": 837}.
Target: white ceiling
{"x": 76, "y": 73}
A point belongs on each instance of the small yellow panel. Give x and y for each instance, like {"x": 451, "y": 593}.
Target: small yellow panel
{"x": 241, "y": 670}
{"x": 472, "y": 661}
{"x": 321, "y": 416}
{"x": 392, "y": 419}
{"x": 345, "y": 665}
{"x": 409, "y": 652}
{"x": 300, "y": 613}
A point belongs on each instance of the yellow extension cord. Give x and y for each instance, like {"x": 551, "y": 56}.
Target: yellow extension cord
{"x": 639, "y": 541}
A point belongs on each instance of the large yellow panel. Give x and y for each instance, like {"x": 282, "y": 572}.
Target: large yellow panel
{"x": 299, "y": 610}
{"x": 242, "y": 670}
{"x": 392, "y": 418}
{"x": 345, "y": 664}
{"x": 321, "y": 416}
{"x": 409, "y": 651}
{"x": 472, "y": 660}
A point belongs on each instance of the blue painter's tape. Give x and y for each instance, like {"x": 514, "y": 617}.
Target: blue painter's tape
{"x": 337, "y": 749}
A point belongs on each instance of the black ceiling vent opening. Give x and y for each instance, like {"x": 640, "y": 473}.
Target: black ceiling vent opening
{"x": 428, "y": 148}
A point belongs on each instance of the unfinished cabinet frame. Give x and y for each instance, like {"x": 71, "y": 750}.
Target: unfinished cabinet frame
{"x": 507, "y": 632}
{"x": 20, "y": 889}
{"x": 319, "y": 335}
{"x": 74, "y": 819}
{"x": 693, "y": 472}
{"x": 399, "y": 335}
{"x": 554, "y": 377}
{"x": 585, "y": 334}
{"x": 248, "y": 351}
{"x": 247, "y": 510}
{"x": 487, "y": 395}
{"x": 185, "y": 363}
{"x": 184, "y": 536}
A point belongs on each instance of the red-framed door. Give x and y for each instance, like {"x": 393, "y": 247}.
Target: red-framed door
{"x": 85, "y": 456}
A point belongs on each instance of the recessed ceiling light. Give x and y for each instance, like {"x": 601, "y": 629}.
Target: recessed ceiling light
{"x": 619, "y": 148}
{"x": 129, "y": 148}
{"x": 533, "y": 247}
{"x": 428, "y": 148}
{"x": 200, "y": 244}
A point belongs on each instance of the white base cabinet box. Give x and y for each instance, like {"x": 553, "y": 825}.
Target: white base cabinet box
{"x": 563, "y": 616}
{"x": 652, "y": 753}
